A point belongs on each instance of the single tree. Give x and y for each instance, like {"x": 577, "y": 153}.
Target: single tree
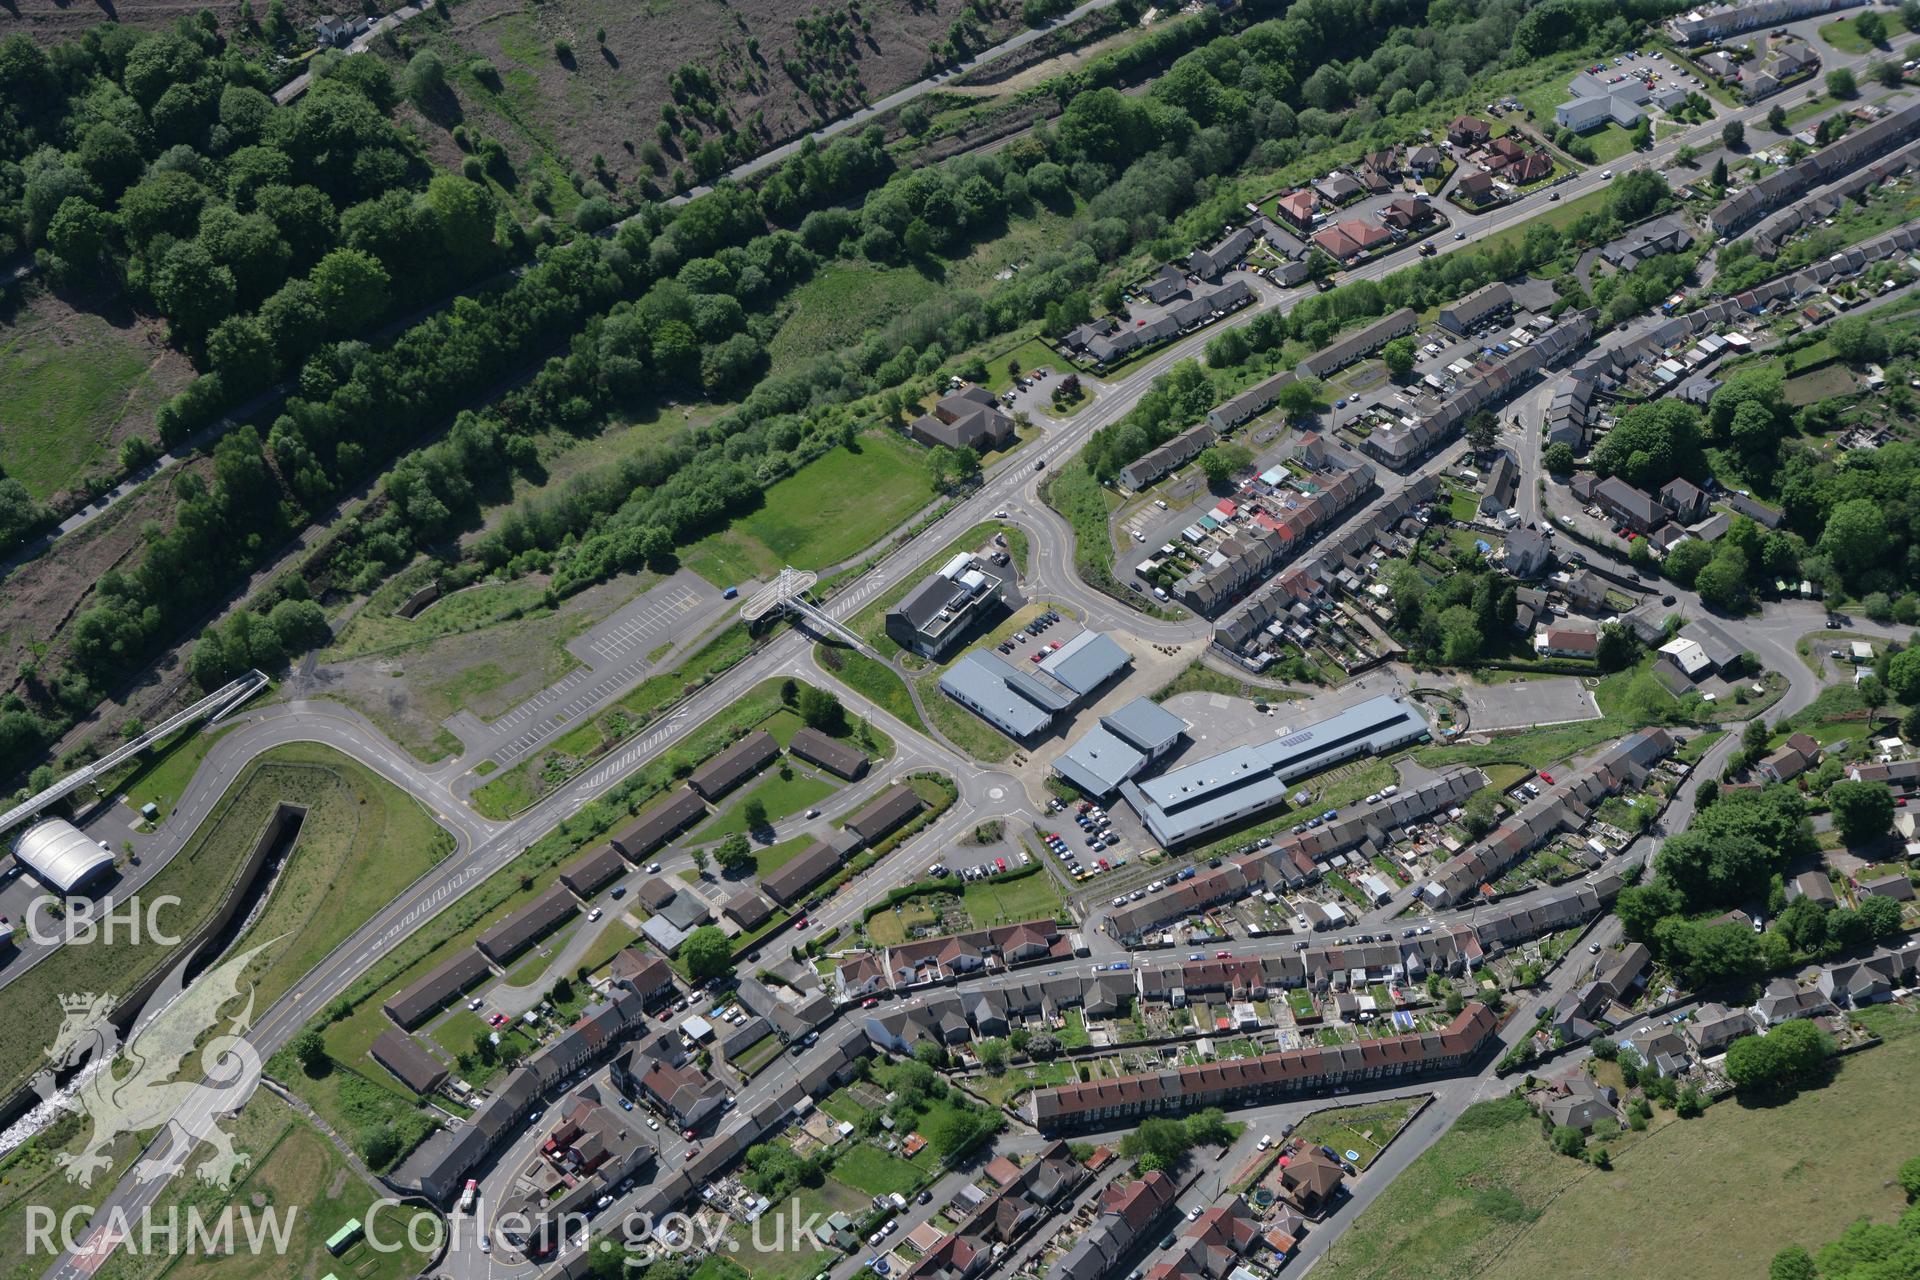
{"x": 754, "y": 814}
{"x": 311, "y": 1051}
{"x": 734, "y": 853}
{"x": 707, "y": 953}
{"x": 1398, "y": 355}
{"x": 1862, "y": 811}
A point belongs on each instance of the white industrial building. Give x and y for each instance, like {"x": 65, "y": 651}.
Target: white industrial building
{"x": 61, "y": 855}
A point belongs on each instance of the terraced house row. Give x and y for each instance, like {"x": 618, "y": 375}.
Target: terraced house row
{"x": 1563, "y": 806}
{"x": 1490, "y": 381}
{"x": 1293, "y": 860}
{"x": 1826, "y": 165}
{"x": 1270, "y": 539}
{"x": 1268, "y": 1077}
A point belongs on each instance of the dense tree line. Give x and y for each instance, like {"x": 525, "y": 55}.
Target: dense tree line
{"x": 156, "y": 163}
{"x": 1454, "y": 620}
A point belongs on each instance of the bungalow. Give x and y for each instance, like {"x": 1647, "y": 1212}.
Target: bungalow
{"x": 1814, "y": 885}
{"x": 1894, "y": 885}
{"x": 967, "y": 419}
{"x": 1714, "y": 1026}
{"x": 1567, "y": 642}
{"x": 1581, "y": 1107}
{"x": 1313, "y": 1180}
{"x": 1405, "y": 214}
{"x": 1784, "y": 1001}
{"x": 1535, "y": 166}
{"x": 1345, "y": 241}
{"x": 1338, "y": 189}
{"x": 1425, "y": 160}
{"x": 1475, "y": 189}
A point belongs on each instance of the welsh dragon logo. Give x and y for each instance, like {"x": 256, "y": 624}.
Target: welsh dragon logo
{"x": 135, "y": 1091}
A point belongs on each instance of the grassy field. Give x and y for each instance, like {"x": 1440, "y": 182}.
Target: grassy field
{"x": 376, "y": 628}
{"x": 867, "y": 1168}
{"x": 873, "y": 680}
{"x": 830, "y": 510}
{"x": 783, "y": 797}
{"x": 72, "y": 386}
{"x": 1490, "y": 1199}
{"x": 297, "y": 1173}
{"x": 1034, "y": 896}
{"x": 362, "y": 841}
{"x": 162, "y": 776}
{"x": 1558, "y": 217}
{"x": 842, "y": 304}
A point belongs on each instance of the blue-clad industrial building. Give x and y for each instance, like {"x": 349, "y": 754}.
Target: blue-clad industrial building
{"x": 1221, "y": 790}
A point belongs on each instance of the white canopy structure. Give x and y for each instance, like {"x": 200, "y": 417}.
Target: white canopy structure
{"x": 61, "y": 854}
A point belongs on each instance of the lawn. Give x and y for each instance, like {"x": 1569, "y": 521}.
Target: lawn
{"x": 757, "y": 1055}
{"x": 1363, "y": 1130}
{"x": 1609, "y": 142}
{"x": 867, "y": 1168}
{"x": 1033, "y": 896}
{"x": 775, "y": 856}
{"x": 782, "y": 798}
{"x": 362, "y": 841}
{"x": 1029, "y": 355}
{"x": 895, "y": 924}
{"x": 72, "y": 385}
{"x": 830, "y": 510}
{"x": 1490, "y": 1199}
{"x": 1845, "y": 36}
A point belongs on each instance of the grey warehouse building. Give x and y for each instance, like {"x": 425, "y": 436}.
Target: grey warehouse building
{"x": 1021, "y": 703}
{"x": 1220, "y": 790}
{"x": 1119, "y": 747}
